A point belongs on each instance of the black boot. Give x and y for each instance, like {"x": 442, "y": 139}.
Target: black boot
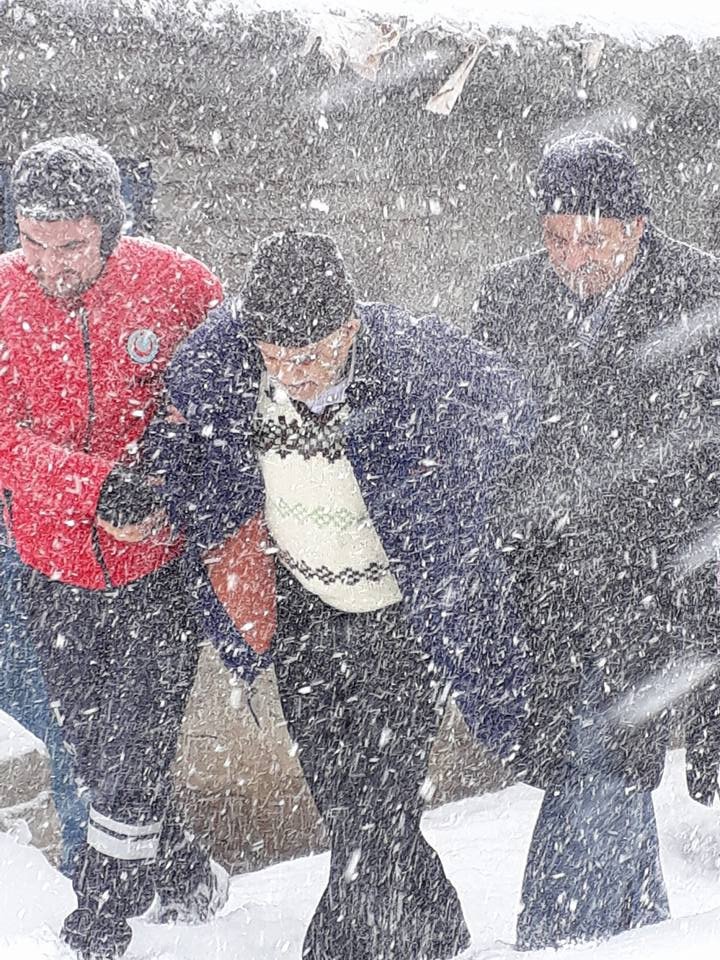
{"x": 108, "y": 892}
{"x": 96, "y": 937}
{"x": 189, "y": 886}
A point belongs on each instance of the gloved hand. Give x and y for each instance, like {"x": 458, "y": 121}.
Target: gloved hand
{"x": 127, "y": 497}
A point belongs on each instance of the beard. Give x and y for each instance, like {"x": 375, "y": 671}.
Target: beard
{"x": 587, "y": 282}
{"x": 67, "y": 285}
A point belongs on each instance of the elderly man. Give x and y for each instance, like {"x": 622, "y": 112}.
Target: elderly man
{"x": 616, "y": 326}
{"x": 360, "y": 432}
{"x": 89, "y": 321}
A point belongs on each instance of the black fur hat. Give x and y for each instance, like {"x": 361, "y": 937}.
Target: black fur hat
{"x": 590, "y": 175}
{"x": 297, "y": 291}
{"x": 69, "y": 178}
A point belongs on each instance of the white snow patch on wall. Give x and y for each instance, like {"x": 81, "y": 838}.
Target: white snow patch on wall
{"x": 15, "y": 741}
{"x": 637, "y": 22}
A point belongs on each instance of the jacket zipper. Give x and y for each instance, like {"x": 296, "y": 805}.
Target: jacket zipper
{"x": 85, "y": 330}
{"x": 87, "y": 443}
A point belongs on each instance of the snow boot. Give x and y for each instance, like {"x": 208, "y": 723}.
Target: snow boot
{"x": 194, "y": 905}
{"x": 94, "y": 937}
{"x": 108, "y": 890}
{"x": 189, "y": 886}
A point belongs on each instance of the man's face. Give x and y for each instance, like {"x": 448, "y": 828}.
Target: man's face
{"x": 306, "y": 371}
{"x": 588, "y": 253}
{"x": 63, "y": 255}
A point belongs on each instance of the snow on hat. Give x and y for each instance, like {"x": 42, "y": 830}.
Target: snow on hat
{"x": 69, "y": 178}
{"x": 590, "y": 175}
{"x": 297, "y": 291}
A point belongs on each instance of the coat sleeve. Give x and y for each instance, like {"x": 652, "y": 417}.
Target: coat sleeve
{"x": 477, "y": 415}
{"x": 68, "y": 482}
{"x": 491, "y": 668}
{"x": 488, "y": 313}
{"x": 204, "y": 450}
{"x": 492, "y": 424}
{"x": 499, "y": 320}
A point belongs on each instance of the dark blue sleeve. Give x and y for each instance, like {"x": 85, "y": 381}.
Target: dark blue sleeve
{"x": 489, "y": 421}
{"x": 206, "y": 460}
{"x": 212, "y": 482}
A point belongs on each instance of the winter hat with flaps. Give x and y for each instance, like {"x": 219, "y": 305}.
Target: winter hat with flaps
{"x": 297, "y": 291}
{"x": 591, "y": 176}
{"x": 69, "y": 178}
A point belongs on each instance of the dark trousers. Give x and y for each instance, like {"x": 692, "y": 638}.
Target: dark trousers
{"x": 358, "y": 697}
{"x": 593, "y": 869}
{"x": 119, "y": 666}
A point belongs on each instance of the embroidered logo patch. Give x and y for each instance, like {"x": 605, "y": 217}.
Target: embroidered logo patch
{"x": 143, "y": 346}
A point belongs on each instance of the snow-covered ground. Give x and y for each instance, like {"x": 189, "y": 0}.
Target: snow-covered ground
{"x": 483, "y": 843}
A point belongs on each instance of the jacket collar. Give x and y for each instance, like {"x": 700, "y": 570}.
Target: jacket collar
{"x": 370, "y": 373}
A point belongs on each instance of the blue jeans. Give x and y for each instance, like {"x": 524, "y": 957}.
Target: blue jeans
{"x": 593, "y": 868}
{"x": 23, "y": 696}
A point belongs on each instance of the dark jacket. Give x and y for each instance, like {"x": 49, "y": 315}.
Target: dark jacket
{"x": 434, "y": 418}
{"x": 622, "y": 478}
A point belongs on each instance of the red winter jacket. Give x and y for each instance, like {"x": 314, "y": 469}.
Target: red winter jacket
{"x": 79, "y": 383}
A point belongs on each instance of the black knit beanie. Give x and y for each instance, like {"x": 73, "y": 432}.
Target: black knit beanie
{"x": 69, "y": 178}
{"x": 590, "y": 175}
{"x": 297, "y": 291}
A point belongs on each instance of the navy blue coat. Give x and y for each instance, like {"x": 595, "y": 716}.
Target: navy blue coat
{"x": 434, "y": 419}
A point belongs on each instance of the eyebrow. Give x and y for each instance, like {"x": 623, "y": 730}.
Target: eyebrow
{"x": 584, "y": 238}
{"x": 59, "y": 246}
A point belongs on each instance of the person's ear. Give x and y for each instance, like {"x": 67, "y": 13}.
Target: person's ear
{"x": 637, "y": 227}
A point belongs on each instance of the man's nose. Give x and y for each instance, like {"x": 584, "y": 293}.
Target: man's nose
{"x": 290, "y": 372}
{"x": 51, "y": 263}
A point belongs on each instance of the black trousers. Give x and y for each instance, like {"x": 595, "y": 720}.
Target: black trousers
{"x": 119, "y": 665}
{"x": 358, "y": 696}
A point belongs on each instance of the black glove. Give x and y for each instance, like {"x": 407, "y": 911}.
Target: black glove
{"x": 127, "y": 497}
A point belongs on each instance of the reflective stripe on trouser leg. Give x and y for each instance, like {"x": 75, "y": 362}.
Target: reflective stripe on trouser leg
{"x": 123, "y": 841}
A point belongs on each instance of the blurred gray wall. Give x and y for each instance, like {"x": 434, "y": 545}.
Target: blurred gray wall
{"x": 247, "y": 136}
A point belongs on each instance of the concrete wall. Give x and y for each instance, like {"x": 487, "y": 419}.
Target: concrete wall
{"x": 245, "y": 133}
{"x": 26, "y": 808}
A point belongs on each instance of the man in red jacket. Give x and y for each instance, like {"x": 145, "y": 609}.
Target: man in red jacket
{"x": 88, "y": 323}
